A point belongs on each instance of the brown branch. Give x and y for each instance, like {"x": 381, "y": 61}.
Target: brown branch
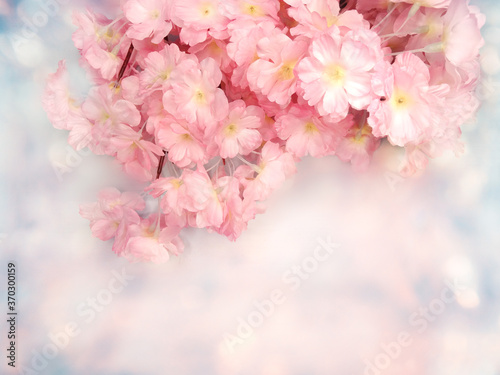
{"x": 125, "y": 63}
{"x": 160, "y": 165}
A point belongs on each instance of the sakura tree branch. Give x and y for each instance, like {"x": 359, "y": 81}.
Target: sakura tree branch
{"x": 125, "y": 63}
{"x": 160, "y": 164}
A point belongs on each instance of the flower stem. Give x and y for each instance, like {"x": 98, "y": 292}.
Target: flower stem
{"x": 124, "y": 65}
{"x": 160, "y": 165}
{"x": 386, "y": 16}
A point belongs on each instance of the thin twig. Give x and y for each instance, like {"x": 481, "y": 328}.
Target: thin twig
{"x": 160, "y": 165}
{"x": 125, "y": 63}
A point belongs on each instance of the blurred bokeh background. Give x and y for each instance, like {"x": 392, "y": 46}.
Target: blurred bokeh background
{"x": 345, "y": 273}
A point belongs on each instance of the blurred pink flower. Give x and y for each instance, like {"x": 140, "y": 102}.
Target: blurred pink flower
{"x": 410, "y": 106}
{"x": 238, "y": 134}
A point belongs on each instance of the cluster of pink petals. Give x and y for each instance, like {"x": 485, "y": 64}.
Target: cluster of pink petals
{"x": 211, "y": 103}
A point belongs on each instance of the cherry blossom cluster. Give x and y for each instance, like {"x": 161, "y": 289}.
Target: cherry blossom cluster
{"x": 211, "y": 103}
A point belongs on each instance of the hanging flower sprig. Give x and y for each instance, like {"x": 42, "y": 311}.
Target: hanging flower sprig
{"x": 211, "y": 103}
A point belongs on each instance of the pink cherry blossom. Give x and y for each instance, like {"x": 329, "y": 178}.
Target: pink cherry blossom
{"x": 252, "y": 9}
{"x": 202, "y": 199}
{"x": 273, "y": 167}
{"x": 196, "y": 96}
{"x": 215, "y": 49}
{"x": 239, "y": 134}
{"x": 137, "y": 155}
{"x": 319, "y": 15}
{"x": 242, "y": 48}
{"x": 425, "y": 27}
{"x": 173, "y": 192}
{"x": 57, "y": 101}
{"x": 159, "y": 66}
{"x": 461, "y": 36}
{"x": 338, "y": 73}
{"x": 149, "y": 18}
{"x": 410, "y": 106}
{"x": 199, "y": 18}
{"x": 237, "y": 210}
{"x": 63, "y": 112}
{"x": 104, "y": 107}
{"x": 273, "y": 73}
{"x": 184, "y": 148}
{"x": 80, "y": 134}
{"x": 146, "y": 242}
{"x": 306, "y": 133}
{"x": 107, "y": 63}
{"x": 112, "y": 210}
{"x": 95, "y": 29}
{"x": 359, "y": 144}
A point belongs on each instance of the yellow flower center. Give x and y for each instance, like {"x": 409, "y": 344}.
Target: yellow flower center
{"x": 230, "y": 130}
{"x": 206, "y": 9}
{"x": 214, "y": 48}
{"x": 105, "y": 116}
{"x": 310, "y": 128}
{"x": 401, "y": 100}
{"x": 259, "y": 168}
{"x": 164, "y": 75}
{"x": 115, "y": 203}
{"x": 155, "y": 14}
{"x": 150, "y": 232}
{"x": 177, "y": 183}
{"x": 113, "y": 86}
{"x": 359, "y": 133}
{"x": 286, "y": 71}
{"x": 432, "y": 29}
{"x": 335, "y": 74}
{"x": 331, "y": 20}
{"x": 108, "y": 35}
{"x": 199, "y": 96}
{"x": 253, "y": 10}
